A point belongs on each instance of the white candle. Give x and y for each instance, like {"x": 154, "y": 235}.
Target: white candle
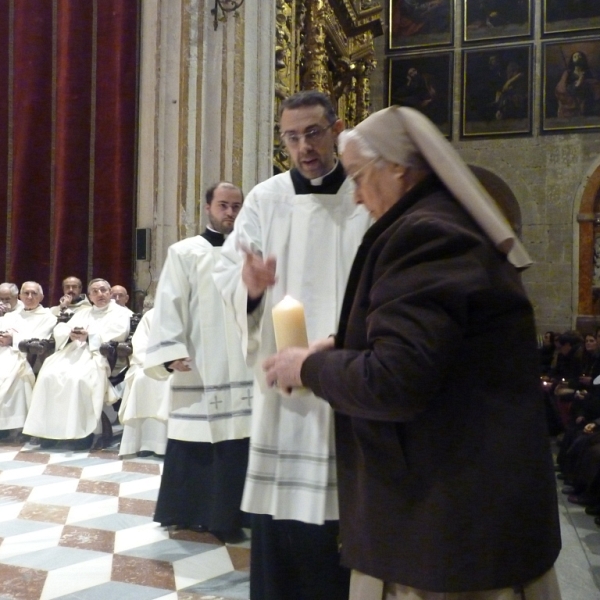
{"x": 289, "y": 324}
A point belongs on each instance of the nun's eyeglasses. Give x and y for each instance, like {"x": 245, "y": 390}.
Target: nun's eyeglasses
{"x": 353, "y": 176}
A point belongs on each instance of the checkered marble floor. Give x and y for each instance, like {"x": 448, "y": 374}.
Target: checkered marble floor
{"x": 78, "y": 526}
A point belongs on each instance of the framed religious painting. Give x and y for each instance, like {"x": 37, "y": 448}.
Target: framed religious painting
{"x": 424, "y": 81}
{"x": 497, "y": 91}
{"x": 570, "y": 16}
{"x": 495, "y": 19}
{"x": 420, "y": 23}
{"x": 571, "y": 85}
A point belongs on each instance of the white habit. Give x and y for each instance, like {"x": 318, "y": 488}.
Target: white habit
{"x": 314, "y": 237}
{"x": 73, "y": 308}
{"x": 212, "y": 402}
{"x": 72, "y": 384}
{"x": 16, "y": 376}
{"x": 144, "y": 408}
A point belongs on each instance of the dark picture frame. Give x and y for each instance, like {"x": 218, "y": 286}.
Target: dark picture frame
{"x": 571, "y": 85}
{"x": 570, "y": 16}
{"x": 420, "y": 23}
{"x": 496, "y": 19}
{"x": 497, "y": 91}
{"x": 424, "y": 81}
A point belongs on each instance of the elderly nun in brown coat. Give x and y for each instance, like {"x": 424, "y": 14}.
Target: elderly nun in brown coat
{"x": 445, "y": 475}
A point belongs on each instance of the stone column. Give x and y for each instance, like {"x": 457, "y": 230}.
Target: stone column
{"x": 206, "y": 105}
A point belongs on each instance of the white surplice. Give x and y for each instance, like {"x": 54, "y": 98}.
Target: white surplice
{"x": 144, "y": 408}
{"x": 72, "y": 384}
{"x": 72, "y": 308}
{"x": 212, "y": 402}
{"x": 16, "y": 376}
{"x": 291, "y": 471}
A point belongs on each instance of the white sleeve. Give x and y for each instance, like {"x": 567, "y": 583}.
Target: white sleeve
{"x": 168, "y": 332}
{"x": 246, "y": 235}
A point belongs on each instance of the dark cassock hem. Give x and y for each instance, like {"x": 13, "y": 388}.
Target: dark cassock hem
{"x": 202, "y": 485}
{"x": 291, "y": 560}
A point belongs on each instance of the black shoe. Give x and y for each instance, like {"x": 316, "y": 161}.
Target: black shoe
{"x": 144, "y": 453}
{"x": 593, "y": 510}
{"x": 234, "y": 536}
{"x": 597, "y": 521}
{"x": 197, "y": 528}
{"x": 83, "y": 443}
{"x": 47, "y": 443}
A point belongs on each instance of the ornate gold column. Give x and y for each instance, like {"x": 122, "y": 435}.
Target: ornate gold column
{"x": 325, "y": 45}
{"x": 316, "y": 76}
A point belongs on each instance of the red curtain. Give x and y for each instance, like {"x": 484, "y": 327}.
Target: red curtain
{"x": 68, "y": 115}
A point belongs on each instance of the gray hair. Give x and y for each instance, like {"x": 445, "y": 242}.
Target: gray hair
{"x": 39, "y": 287}
{"x": 95, "y": 280}
{"x": 13, "y": 290}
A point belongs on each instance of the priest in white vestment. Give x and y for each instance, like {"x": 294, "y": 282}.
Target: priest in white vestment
{"x": 194, "y": 337}
{"x": 72, "y": 299}
{"x": 144, "y": 408}
{"x": 72, "y": 385}
{"x": 16, "y": 375}
{"x": 304, "y": 229}
{"x": 119, "y": 295}
{"x": 9, "y": 299}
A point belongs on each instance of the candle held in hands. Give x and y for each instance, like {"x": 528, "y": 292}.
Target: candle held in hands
{"x": 289, "y": 324}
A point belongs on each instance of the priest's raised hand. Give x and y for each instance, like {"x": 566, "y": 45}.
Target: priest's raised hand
{"x": 258, "y": 274}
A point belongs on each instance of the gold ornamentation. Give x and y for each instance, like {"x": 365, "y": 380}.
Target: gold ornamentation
{"x": 325, "y": 45}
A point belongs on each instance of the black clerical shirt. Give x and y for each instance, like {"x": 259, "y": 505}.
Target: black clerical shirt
{"x": 213, "y": 237}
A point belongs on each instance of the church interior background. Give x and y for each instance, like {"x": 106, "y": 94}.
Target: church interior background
{"x": 115, "y": 115}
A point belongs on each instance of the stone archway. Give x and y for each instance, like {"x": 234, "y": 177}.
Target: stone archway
{"x": 499, "y": 190}
{"x": 588, "y": 217}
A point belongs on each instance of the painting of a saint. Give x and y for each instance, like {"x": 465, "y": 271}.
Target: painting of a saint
{"x": 571, "y": 85}
{"x": 420, "y": 23}
{"x": 424, "y": 82}
{"x": 496, "y": 91}
{"x": 492, "y": 19}
{"x": 571, "y": 15}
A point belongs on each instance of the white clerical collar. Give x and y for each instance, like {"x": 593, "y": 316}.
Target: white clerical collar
{"x": 97, "y": 309}
{"x": 217, "y": 232}
{"x": 319, "y": 180}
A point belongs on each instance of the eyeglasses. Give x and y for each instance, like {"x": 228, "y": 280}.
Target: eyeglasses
{"x": 311, "y": 136}
{"x": 357, "y": 172}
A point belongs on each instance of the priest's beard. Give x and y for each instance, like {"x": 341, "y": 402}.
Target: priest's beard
{"x": 224, "y": 226}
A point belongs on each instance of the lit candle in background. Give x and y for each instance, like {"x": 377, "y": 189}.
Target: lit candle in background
{"x": 289, "y": 324}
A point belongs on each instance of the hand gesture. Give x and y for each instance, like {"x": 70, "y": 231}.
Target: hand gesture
{"x": 258, "y": 274}
{"x": 78, "y": 334}
{"x": 181, "y": 364}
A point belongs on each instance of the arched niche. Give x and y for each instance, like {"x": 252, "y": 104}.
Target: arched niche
{"x": 588, "y": 218}
{"x": 499, "y": 190}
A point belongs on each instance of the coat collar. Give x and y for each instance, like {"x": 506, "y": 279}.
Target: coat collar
{"x": 425, "y": 187}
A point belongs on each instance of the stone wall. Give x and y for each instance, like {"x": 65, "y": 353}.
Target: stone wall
{"x": 546, "y": 173}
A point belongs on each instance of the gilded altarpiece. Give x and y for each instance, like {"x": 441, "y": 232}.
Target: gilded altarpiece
{"x": 325, "y": 45}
